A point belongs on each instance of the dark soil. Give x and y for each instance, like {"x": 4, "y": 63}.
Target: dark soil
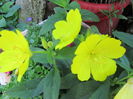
{"x": 127, "y": 25}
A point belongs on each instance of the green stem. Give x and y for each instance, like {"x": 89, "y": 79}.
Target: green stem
{"x": 51, "y": 52}
{"x": 121, "y": 80}
{"x": 34, "y": 52}
{"x": 51, "y": 55}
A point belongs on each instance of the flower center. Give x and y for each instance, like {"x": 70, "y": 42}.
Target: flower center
{"x": 92, "y": 53}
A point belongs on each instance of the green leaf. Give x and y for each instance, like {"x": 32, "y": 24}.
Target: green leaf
{"x": 2, "y": 22}
{"x": 62, "y": 3}
{"x": 35, "y": 87}
{"x": 81, "y": 90}
{"x": 12, "y": 11}
{"x": 60, "y": 11}
{"x": 92, "y": 30}
{"x": 24, "y": 90}
{"x": 6, "y": 6}
{"x": 66, "y": 53}
{"x": 52, "y": 85}
{"x": 129, "y": 55}
{"x": 122, "y": 75}
{"x": 102, "y": 92}
{"x": 40, "y": 86}
{"x": 64, "y": 65}
{"x": 89, "y": 16}
{"x": 69, "y": 81}
{"x": 124, "y": 63}
{"x": 106, "y": 12}
{"x": 125, "y": 37}
{"x": 73, "y": 5}
{"x": 1, "y": 3}
{"x": 121, "y": 17}
{"x": 39, "y": 57}
{"x": 49, "y": 24}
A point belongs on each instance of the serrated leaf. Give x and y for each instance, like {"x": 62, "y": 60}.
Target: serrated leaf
{"x": 62, "y": 3}
{"x": 124, "y": 63}
{"x": 89, "y": 16}
{"x": 2, "y": 22}
{"x": 102, "y": 92}
{"x": 52, "y": 85}
{"x": 24, "y": 90}
{"x": 12, "y": 11}
{"x": 125, "y": 37}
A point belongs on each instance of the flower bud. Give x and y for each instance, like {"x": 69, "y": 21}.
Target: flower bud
{"x": 44, "y": 43}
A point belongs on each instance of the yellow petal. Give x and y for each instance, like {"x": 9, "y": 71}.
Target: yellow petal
{"x": 88, "y": 45}
{"x": 96, "y": 53}
{"x": 22, "y": 69}
{"x": 23, "y": 42}
{"x": 101, "y": 67}
{"x": 10, "y": 60}
{"x": 66, "y": 31}
{"x": 61, "y": 27}
{"x": 126, "y": 92}
{"x": 15, "y": 52}
{"x": 61, "y": 44}
{"x": 8, "y": 39}
{"x": 81, "y": 67}
{"x": 110, "y": 47}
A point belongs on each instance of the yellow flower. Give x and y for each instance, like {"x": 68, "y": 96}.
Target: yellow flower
{"x": 66, "y": 31}
{"x": 15, "y": 52}
{"x": 95, "y": 56}
{"x": 126, "y": 91}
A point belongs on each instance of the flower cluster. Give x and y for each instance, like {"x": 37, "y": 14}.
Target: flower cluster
{"x": 93, "y": 56}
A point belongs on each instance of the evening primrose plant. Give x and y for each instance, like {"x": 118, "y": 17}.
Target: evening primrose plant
{"x": 66, "y": 59}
